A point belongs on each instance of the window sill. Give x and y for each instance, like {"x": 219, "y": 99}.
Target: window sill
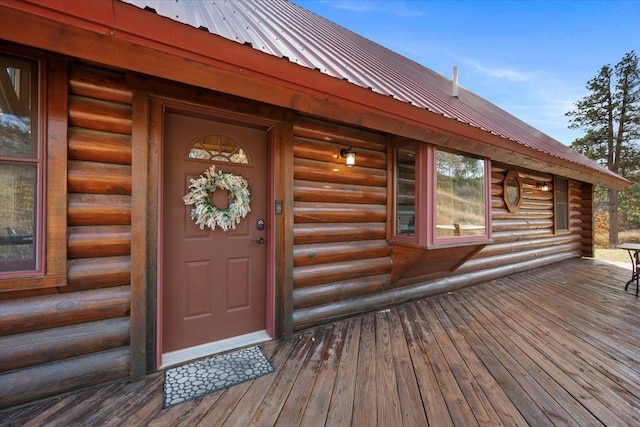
{"x": 563, "y": 231}
{"x": 447, "y": 245}
{"x": 22, "y": 283}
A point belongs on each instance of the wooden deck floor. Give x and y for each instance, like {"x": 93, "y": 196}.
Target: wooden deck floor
{"x": 553, "y": 346}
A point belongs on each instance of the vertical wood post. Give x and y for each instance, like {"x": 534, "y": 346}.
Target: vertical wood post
{"x": 139, "y": 194}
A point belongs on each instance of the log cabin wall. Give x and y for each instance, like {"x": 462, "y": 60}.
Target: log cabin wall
{"x": 521, "y": 241}
{"x": 527, "y": 238}
{"x": 79, "y": 334}
{"x": 587, "y": 220}
{"x": 340, "y": 250}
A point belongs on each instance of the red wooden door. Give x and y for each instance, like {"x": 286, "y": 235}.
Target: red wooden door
{"x": 214, "y": 281}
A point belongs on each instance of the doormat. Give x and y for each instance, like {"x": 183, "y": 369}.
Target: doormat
{"x": 213, "y": 373}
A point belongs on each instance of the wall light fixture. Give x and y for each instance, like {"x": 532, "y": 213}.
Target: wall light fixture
{"x": 349, "y": 157}
{"x": 543, "y": 186}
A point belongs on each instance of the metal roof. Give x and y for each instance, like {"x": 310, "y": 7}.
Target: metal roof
{"x": 285, "y": 30}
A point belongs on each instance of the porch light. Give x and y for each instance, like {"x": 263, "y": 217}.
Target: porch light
{"x": 543, "y": 186}
{"x": 349, "y": 157}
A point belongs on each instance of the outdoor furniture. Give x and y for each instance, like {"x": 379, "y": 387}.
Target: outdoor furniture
{"x": 633, "y": 249}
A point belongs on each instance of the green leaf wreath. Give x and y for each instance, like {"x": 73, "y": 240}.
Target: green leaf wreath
{"x": 207, "y": 215}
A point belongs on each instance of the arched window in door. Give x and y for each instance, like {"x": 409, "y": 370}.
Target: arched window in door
{"x": 218, "y": 148}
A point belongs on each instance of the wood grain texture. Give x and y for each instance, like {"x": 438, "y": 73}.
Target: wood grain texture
{"x": 311, "y": 191}
{"x": 324, "y": 273}
{"x": 39, "y": 381}
{"x": 340, "y": 232}
{"x": 87, "y": 273}
{"x": 40, "y": 313}
{"x": 99, "y": 84}
{"x": 337, "y": 213}
{"x": 96, "y": 114}
{"x": 325, "y": 171}
{"x": 45, "y": 346}
{"x": 99, "y": 209}
{"x": 98, "y": 146}
{"x": 98, "y": 241}
{"x": 99, "y": 178}
{"x": 534, "y": 348}
{"x": 321, "y": 253}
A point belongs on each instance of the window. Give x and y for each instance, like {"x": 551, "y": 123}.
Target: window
{"x": 20, "y": 166}
{"x": 33, "y": 176}
{"x": 440, "y": 197}
{"x": 405, "y": 190}
{"x": 561, "y": 196}
{"x": 218, "y": 148}
{"x": 512, "y": 191}
{"x": 461, "y": 197}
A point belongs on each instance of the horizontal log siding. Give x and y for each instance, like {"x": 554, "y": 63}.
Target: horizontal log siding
{"x": 80, "y": 336}
{"x": 528, "y": 234}
{"x": 340, "y": 214}
{"x": 586, "y": 212}
{"x": 521, "y": 240}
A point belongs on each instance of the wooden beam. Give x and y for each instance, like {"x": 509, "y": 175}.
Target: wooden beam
{"x": 139, "y": 209}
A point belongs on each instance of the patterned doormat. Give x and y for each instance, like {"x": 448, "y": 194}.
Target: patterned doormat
{"x": 213, "y": 373}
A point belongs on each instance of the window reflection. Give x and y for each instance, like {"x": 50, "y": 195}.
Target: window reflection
{"x": 19, "y": 164}
{"x": 562, "y": 203}
{"x": 405, "y": 191}
{"x": 460, "y": 195}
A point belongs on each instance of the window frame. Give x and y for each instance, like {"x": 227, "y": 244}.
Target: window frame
{"x": 52, "y": 116}
{"x": 426, "y": 199}
{"x": 512, "y": 175}
{"x": 459, "y": 240}
{"x": 418, "y": 185}
{"x": 556, "y": 228}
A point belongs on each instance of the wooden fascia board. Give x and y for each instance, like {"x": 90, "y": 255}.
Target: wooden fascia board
{"x": 176, "y": 51}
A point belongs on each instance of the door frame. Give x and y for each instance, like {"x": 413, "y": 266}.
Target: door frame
{"x": 273, "y": 128}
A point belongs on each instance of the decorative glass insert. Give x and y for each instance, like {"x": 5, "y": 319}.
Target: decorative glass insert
{"x": 512, "y": 191}
{"x": 405, "y": 191}
{"x": 218, "y": 148}
{"x": 460, "y": 195}
{"x": 19, "y": 164}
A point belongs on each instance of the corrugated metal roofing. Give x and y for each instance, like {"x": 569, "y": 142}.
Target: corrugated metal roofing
{"x": 285, "y": 30}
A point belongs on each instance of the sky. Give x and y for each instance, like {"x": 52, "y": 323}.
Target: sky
{"x": 533, "y": 58}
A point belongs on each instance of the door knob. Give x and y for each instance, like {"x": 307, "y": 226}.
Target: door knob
{"x": 259, "y": 241}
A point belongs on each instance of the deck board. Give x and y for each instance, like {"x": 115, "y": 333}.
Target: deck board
{"x": 552, "y": 346}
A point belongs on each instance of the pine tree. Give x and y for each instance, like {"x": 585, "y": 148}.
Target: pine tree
{"x": 610, "y": 116}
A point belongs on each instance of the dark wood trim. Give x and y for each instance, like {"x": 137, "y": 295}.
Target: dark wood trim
{"x": 275, "y": 253}
{"x": 139, "y": 210}
{"x": 287, "y": 231}
{"x": 53, "y": 116}
{"x": 153, "y": 244}
{"x": 391, "y": 187}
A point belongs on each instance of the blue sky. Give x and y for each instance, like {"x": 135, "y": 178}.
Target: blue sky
{"x": 531, "y": 58}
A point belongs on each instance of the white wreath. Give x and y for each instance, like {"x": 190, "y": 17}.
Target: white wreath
{"x": 208, "y": 215}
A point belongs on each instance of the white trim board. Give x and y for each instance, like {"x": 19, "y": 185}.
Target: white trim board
{"x": 173, "y": 358}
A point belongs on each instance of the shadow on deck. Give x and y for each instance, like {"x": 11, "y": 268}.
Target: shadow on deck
{"x": 553, "y": 346}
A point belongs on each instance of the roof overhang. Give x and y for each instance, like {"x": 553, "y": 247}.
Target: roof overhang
{"x": 123, "y": 36}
